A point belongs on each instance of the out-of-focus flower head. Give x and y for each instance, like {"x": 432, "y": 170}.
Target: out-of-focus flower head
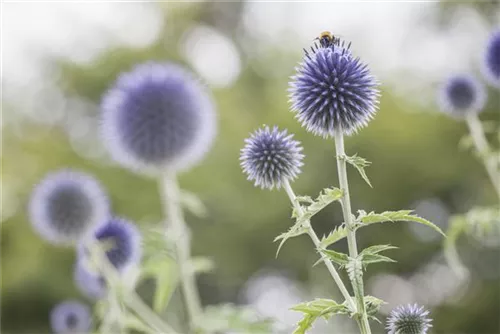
{"x": 462, "y": 95}
{"x": 66, "y": 205}
{"x": 158, "y": 116}
{"x": 70, "y": 317}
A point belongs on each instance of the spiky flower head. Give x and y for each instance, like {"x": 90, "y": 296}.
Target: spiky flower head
{"x": 333, "y": 91}
{"x": 491, "y": 61}
{"x": 91, "y": 284}
{"x": 120, "y": 240}
{"x": 157, "y": 116}
{"x": 271, "y": 157}
{"x": 70, "y": 317}
{"x": 408, "y": 319}
{"x": 66, "y": 205}
{"x": 462, "y": 95}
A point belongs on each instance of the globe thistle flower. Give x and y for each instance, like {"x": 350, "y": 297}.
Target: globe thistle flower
{"x": 462, "y": 95}
{"x": 121, "y": 242}
{"x": 491, "y": 61}
{"x": 333, "y": 91}
{"x": 408, "y": 319}
{"x": 70, "y": 317}
{"x": 93, "y": 285}
{"x": 271, "y": 157}
{"x": 157, "y": 116}
{"x": 67, "y": 205}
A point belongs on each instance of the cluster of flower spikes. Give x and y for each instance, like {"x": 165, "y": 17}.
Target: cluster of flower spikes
{"x": 71, "y": 208}
{"x": 156, "y": 116}
{"x": 332, "y": 91}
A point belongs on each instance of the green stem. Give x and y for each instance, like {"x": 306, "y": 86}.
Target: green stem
{"x": 170, "y": 194}
{"x": 317, "y": 242}
{"x": 131, "y": 299}
{"x": 351, "y": 233}
{"x": 481, "y": 144}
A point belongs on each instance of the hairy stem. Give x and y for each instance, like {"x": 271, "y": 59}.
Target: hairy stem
{"x": 175, "y": 221}
{"x": 482, "y": 147}
{"x": 351, "y": 234}
{"x": 317, "y": 242}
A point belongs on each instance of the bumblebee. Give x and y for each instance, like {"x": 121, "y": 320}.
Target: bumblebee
{"x": 326, "y": 39}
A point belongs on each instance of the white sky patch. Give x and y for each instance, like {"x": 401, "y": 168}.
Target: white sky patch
{"x": 78, "y": 32}
{"x": 212, "y": 55}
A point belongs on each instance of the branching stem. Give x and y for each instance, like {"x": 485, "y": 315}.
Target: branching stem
{"x": 316, "y": 241}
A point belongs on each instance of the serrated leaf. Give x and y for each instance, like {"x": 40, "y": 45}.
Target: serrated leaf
{"x": 371, "y": 254}
{"x": 294, "y": 231}
{"x": 337, "y": 257}
{"x": 365, "y": 219}
{"x": 337, "y": 234}
{"x": 359, "y": 163}
{"x": 315, "y": 309}
{"x": 373, "y": 304}
{"x": 374, "y": 258}
{"x": 304, "y": 199}
{"x": 326, "y": 196}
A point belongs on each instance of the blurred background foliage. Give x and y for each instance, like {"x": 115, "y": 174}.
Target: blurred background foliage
{"x": 416, "y": 163}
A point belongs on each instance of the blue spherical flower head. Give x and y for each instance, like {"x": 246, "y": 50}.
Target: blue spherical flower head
{"x": 158, "y": 116}
{"x": 491, "y": 62}
{"x": 409, "y": 319}
{"x": 462, "y": 95}
{"x": 271, "y": 157}
{"x": 333, "y": 91}
{"x": 66, "y": 205}
{"x": 70, "y": 317}
{"x": 91, "y": 284}
{"x": 121, "y": 242}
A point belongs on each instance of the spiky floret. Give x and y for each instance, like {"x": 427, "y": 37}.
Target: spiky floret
{"x": 158, "y": 116}
{"x": 70, "y": 317}
{"x": 408, "y": 319}
{"x": 491, "y": 61}
{"x": 462, "y": 95}
{"x": 66, "y": 205}
{"x": 271, "y": 157}
{"x": 333, "y": 91}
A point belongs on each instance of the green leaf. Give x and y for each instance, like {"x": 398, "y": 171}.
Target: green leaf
{"x": 337, "y": 234}
{"x": 373, "y": 304}
{"x": 294, "y": 231}
{"x": 326, "y": 196}
{"x": 337, "y": 257}
{"x": 315, "y": 309}
{"x": 193, "y": 204}
{"x": 202, "y": 264}
{"x": 231, "y": 318}
{"x": 365, "y": 219}
{"x": 359, "y": 163}
{"x": 371, "y": 254}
